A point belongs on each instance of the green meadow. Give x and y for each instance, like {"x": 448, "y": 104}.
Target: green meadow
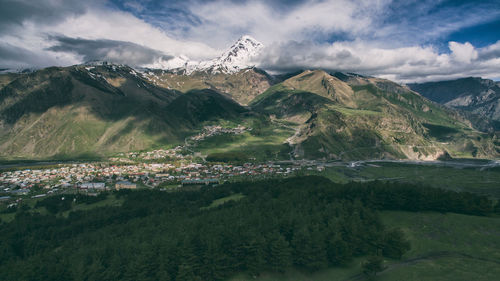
{"x": 472, "y": 179}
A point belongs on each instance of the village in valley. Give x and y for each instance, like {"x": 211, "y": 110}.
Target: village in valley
{"x": 165, "y": 169}
{"x": 105, "y": 176}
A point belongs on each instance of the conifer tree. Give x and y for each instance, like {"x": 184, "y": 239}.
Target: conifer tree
{"x": 279, "y": 254}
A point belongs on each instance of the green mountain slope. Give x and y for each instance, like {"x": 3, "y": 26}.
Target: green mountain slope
{"x": 197, "y": 106}
{"x": 6, "y": 78}
{"x": 359, "y": 117}
{"x": 97, "y": 110}
{"x": 242, "y": 86}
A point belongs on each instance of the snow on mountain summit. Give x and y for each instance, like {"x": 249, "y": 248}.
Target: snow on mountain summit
{"x": 239, "y": 56}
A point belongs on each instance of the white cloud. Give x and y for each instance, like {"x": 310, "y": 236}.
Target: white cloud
{"x": 405, "y": 64}
{"x": 122, "y": 26}
{"x": 382, "y": 38}
{"x": 95, "y": 22}
{"x": 386, "y": 22}
{"x": 226, "y": 20}
{"x": 463, "y": 52}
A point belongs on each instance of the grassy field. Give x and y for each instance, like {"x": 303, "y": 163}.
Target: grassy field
{"x": 451, "y": 247}
{"x": 477, "y": 180}
{"x": 220, "y": 201}
{"x": 29, "y": 202}
{"x": 340, "y": 273}
{"x": 444, "y": 247}
{"x": 266, "y": 144}
{"x": 111, "y": 200}
{"x": 459, "y": 179}
{"x": 352, "y": 111}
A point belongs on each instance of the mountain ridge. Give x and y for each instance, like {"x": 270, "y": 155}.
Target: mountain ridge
{"x": 96, "y": 110}
{"x": 376, "y": 117}
{"x": 105, "y": 108}
{"x": 474, "y": 94}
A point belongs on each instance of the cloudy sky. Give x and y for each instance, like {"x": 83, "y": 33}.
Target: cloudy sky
{"x": 406, "y": 41}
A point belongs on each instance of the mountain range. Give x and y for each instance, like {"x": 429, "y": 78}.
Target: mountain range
{"x": 474, "y": 94}
{"x": 99, "y": 109}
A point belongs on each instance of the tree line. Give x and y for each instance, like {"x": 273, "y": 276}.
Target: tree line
{"x": 308, "y": 223}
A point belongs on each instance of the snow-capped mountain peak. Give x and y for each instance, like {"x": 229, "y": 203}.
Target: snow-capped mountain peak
{"x": 244, "y": 48}
{"x": 239, "y": 56}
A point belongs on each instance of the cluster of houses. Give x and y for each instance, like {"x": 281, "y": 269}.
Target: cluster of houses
{"x": 101, "y": 186}
{"x": 210, "y": 131}
{"x": 104, "y": 176}
{"x": 95, "y": 177}
{"x": 173, "y": 154}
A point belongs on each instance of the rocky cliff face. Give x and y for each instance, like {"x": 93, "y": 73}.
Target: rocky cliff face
{"x": 473, "y": 94}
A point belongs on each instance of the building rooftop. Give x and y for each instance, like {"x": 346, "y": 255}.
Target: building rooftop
{"x": 125, "y": 182}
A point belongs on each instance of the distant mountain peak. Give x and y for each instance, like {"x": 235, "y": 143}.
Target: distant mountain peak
{"x": 474, "y": 94}
{"x": 245, "y": 43}
{"x": 248, "y": 37}
{"x": 237, "y": 57}
{"x": 245, "y": 46}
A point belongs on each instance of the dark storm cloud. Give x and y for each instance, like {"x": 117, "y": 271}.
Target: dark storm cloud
{"x": 109, "y": 50}
{"x": 16, "y": 12}
{"x": 17, "y": 57}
